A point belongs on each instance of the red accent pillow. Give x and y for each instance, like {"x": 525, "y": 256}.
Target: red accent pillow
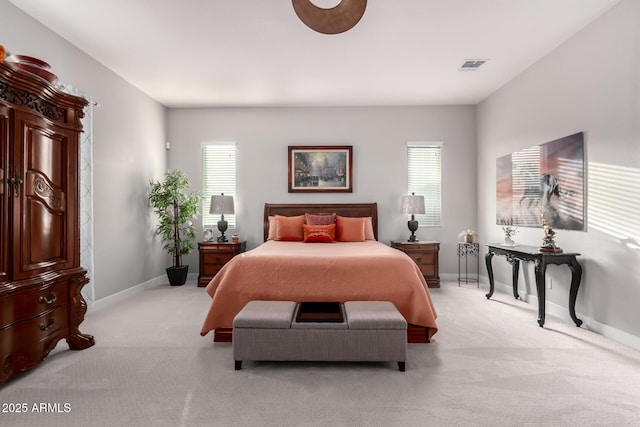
{"x": 318, "y": 219}
{"x": 319, "y": 233}
{"x": 289, "y": 228}
{"x": 350, "y": 229}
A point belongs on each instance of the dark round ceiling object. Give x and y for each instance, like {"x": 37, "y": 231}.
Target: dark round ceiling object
{"x": 336, "y": 20}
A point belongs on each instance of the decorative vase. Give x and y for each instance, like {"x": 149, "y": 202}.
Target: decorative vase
{"x": 468, "y": 238}
{"x": 509, "y": 242}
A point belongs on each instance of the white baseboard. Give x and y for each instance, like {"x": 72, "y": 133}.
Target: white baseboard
{"x": 612, "y": 333}
{"x": 453, "y": 277}
{"x": 123, "y": 295}
{"x": 563, "y": 313}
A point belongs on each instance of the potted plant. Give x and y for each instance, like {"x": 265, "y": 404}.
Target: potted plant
{"x": 509, "y": 232}
{"x": 175, "y": 205}
{"x": 468, "y": 235}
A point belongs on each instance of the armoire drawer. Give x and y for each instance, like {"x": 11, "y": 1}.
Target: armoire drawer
{"x": 23, "y": 305}
{"x": 36, "y": 330}
{"x": 24, "y": 345}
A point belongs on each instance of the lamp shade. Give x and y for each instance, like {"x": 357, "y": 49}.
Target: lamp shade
{"x": 412, "y": 204}
{"x": 221, "y": 204}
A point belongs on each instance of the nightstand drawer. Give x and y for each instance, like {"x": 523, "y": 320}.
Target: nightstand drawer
{"x": 211, "y": 269}
{"x": 217, "y": 259}
{"x": 219, "y": 248}
{"x": 420, "y": 247}
{"x": 214, "y": 256}
{"x": 427, "y": 270}
{"x": 425, "y": 255}
{"x": 422, "y": 258}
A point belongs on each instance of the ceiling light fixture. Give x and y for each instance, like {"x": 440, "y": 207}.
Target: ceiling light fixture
{"x": 335, "y": 20}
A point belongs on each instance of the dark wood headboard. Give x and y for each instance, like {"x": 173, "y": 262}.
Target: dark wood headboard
{"x": 342, "y": 209}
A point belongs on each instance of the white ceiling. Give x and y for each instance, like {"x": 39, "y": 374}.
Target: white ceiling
{"x": 258, "y": 53}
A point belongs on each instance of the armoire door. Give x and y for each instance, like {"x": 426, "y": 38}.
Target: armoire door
{"x": 4, "y": 194}
{"x": 44, "y": 222}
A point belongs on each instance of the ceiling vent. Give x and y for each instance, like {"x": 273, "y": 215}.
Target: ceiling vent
{"x": 472, "y": 64}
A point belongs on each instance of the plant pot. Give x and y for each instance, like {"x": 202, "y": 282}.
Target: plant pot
{"x": 177, "y": 275}
{"x": 468, "y": 238}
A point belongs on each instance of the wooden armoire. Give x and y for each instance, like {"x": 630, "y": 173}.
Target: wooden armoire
{"x": 40, "y": 273}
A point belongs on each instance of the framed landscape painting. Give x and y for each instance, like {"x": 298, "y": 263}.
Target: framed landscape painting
{"x": 320, "y": 169}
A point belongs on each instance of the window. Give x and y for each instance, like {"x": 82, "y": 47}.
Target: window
{"x": 424, "y": 166}
{"x": 218, "y": 176}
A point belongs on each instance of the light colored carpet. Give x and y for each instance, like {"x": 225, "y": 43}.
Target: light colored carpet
{"x": 491, "y": 365}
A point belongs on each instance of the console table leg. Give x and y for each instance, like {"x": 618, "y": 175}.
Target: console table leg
{"x": 540, "y": 289}
{"x": 576, "y": 276}
{"x": 487, "y": 259}
{"x": 515, "y": 270}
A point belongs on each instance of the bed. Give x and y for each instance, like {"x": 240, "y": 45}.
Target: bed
{"x": 341, "y": 271}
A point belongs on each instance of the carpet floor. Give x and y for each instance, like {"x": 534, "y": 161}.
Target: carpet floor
{"x": 490, "y": 365}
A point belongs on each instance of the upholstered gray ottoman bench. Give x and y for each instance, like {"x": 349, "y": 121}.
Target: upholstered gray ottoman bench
{"x": 372, "y": 331}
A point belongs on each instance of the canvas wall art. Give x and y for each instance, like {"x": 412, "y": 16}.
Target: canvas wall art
{"x": 546, "y": 179}
{"x": 317, "y": 169}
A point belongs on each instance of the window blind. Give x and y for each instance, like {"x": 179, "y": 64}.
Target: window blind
{"x": 424, "y": 161}
{"x": 218, "y": 176}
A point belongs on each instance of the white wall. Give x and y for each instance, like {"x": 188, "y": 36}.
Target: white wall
{"x": 591, "y": 83}
{"x": 129, "y": 136}
{"x": 378, "y": 135}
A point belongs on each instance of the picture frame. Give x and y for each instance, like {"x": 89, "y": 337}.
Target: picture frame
{"x": 320, "y": 169}
{"x": 208, "y": 234}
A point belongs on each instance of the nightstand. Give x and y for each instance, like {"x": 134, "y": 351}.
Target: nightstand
{"x": 213, "y": 256}
{"x": 425, "y": 255}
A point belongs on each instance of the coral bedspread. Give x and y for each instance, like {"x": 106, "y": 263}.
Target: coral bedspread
{"x": 342, "y": 271}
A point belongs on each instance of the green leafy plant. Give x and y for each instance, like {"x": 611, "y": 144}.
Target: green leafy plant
{"x": 509, "y": 231}
{"x": 176, "y": 206}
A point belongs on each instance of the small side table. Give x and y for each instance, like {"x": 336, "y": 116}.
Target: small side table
{"x": 466, "y": 250}
{"x": 213, "y": 256}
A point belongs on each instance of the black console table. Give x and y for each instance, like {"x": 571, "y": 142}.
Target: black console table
{"x": 518, "y": 253}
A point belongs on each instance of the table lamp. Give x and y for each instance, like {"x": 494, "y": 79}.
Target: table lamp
{"x": 413, "y": 205}
{"x": 221, "y": 205}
